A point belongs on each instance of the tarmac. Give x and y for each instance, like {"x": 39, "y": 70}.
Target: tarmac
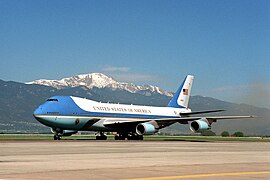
{"x": 148, "y": 160}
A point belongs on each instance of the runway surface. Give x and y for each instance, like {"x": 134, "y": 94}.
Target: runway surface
{"x": 134, "y": 160}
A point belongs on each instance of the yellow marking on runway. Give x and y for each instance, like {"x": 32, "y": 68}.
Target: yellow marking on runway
{"x": 203, "y": 175}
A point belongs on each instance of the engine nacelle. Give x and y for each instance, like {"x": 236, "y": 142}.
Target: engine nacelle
{"x": 63, "y": 132}
{"x": 68, "y": 132}
{"x": 199, "y": 126}
{"x": 145, "y": 129}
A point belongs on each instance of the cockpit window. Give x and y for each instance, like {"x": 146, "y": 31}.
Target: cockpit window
{"x": 52, "y": 99}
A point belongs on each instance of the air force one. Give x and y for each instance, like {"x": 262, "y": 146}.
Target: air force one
{"x": 66, "y": 115}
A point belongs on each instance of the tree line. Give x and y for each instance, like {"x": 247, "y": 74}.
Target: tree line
{"x": 223, "y": 134}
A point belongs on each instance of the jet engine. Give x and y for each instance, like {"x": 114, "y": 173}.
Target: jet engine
{"x": 63, "y": 132}
{"x": 145, "y": 129}
{"x": 199, "y": 126}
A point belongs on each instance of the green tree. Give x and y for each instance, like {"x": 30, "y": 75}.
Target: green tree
{"x": 238, "y": 134}
{"x": 225, "y": 134}
{"x": 208, "y": 133}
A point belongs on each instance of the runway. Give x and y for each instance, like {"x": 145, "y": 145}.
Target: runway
{"x": 134, "y": 160}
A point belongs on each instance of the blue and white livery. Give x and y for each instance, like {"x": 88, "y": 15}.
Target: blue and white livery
{"x": 66, "y": 115}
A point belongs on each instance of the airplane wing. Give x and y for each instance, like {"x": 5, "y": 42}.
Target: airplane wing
{"x": 200, "y": 112}
{"x": 215, "y": 118}
{"x": 127, "y": 122}
{"x": 167, "y": 121}
{"x": 149, "y": 126}
{"x": 111, "y": 121}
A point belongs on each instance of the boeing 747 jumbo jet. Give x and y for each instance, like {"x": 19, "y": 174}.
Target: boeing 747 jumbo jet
{"x": 66, "y": 115}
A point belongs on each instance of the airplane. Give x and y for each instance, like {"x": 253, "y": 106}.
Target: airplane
{"x": 66, "y": 115}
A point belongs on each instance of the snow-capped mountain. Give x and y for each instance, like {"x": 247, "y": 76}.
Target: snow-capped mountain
{"x": 100, "y": 81}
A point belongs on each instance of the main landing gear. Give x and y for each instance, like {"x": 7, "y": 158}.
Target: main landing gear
{"x": 120, "y": 136}
{"x": 132, "y": 136}
{"x": 101, "y": 136}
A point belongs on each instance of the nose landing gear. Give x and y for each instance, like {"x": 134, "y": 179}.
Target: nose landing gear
{"x": 58, "y": 133}
{"x": 57, "y": 137}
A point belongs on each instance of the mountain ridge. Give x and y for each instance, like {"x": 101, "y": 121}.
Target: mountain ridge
{"x": 98, "y": 80}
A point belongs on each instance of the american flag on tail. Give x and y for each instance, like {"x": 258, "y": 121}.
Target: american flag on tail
{"x": 185, "y": 92}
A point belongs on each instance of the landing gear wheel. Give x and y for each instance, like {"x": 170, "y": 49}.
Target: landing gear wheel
{"x": 121, "y": 137}
{"x": 135, "y": 137}
{"x": 101, "y": 136}
{"x": 57, "y": 137}
{"x": 131, "y": 137}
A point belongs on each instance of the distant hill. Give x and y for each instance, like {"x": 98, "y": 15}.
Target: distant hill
{"x": 19, "y": 100}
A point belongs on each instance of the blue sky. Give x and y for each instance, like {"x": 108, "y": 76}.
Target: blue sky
{"x": 225, "y": 44}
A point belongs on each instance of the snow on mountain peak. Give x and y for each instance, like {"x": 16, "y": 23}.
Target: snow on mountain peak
{"x": 98, "y": 80}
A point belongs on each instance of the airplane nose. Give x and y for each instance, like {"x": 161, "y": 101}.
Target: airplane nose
{"x": 38, "y": 115}
{"x": 38, "y": 111}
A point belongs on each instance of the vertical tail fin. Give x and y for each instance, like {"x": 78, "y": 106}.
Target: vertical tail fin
{"x": 181, "y": 97}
